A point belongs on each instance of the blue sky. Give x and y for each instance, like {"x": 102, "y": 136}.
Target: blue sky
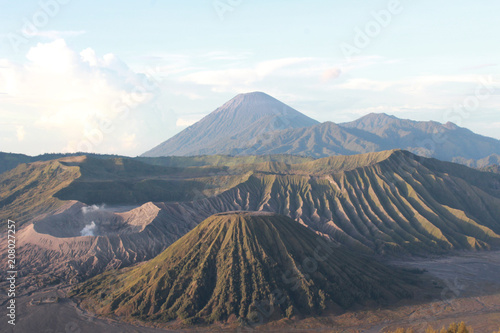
{"x": 123, "y": 76}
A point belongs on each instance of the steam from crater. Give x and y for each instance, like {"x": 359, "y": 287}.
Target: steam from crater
{"x": 93, "y": 208}
{"x": 93, "y": 212}
{"x": 88, "y": 230}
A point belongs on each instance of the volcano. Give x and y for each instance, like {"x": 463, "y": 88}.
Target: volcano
{"x": 232, "y": 125}
{"x": 234, "y": 265}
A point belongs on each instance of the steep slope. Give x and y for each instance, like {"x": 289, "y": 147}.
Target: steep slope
{"x": 237, "y": 121}
{"x": 28, "y": 191}
{"x": 33, "y": 189}
{"x": 231, "y": 263}
{"x": 326, "y": 139}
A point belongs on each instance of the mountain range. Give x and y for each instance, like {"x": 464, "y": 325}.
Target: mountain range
{"x": 386, "y": 203}
{"x": 258, "y": 124}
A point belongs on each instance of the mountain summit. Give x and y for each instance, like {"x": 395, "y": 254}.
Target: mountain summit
{"x": 243, "y": 118}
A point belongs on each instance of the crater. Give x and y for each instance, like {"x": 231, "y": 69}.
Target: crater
{"x": 81, "y": 220}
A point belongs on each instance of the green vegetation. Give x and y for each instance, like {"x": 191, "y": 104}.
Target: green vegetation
{"x": 128, "y": 181}
{"x": 336, "y": 164}
{"x": 27, "y": 191}
{"x": 240, "y": 264}
{"x": 9, "y": 161}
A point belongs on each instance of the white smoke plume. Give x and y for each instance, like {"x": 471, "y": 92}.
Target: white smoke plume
{"x": 90, "y": 209}
{"x": 88, "y": 230}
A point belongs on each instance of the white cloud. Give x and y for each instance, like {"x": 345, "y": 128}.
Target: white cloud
{"x": 62, "y": 96}
{"x": 364, "y": 84}
{"x": 409, "y": 85}
{"x": 54, "y": 57}
{"x": 129, "y": 141}
{"x": 241, "y": 76}
{"x": 68, "y": 93}
{"x": 331, "y": 74}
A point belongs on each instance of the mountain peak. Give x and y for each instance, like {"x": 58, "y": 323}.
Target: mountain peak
{"x": 255, "y": 104}
{"x": 451, "y": 126}
{"x": 238, "y": 121}
{"x": 378, "y": 117}
{"x": 371, "y": 121}
{"x": 258, "y": 94}
{"x": 255, "y": 96}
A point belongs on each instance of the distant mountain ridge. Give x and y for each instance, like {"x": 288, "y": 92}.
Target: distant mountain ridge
{"x": 258, "y": 124}
{"x": 447, "y": 142}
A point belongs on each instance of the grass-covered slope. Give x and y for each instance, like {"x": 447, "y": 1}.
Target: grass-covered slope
{"x": 231, "y": 263}
{"x": 131, "y": 181}
{"x": 9, "y": 161}
{"x": 27, "y": 191}
{"x": 126, "y": 181}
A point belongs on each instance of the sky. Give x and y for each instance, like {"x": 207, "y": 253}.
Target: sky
{"x": 123, "y": 76}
